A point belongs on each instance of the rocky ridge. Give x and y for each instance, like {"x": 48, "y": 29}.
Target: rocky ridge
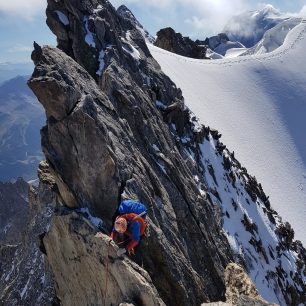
{"x": 14, "y": 210}
{"x": 174, "y": 42}
{"x": 117, "y": 127}
{"x": 214, "y": 47}
{"x": 126, "y": 14}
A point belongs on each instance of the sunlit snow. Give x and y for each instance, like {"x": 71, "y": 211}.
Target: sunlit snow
{"x": 258, "y": 104}
{"x": 89, "y": 36}
{"x": 62, "y": 17}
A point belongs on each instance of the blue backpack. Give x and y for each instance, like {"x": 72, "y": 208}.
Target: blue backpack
{"x": 131, "y": 206}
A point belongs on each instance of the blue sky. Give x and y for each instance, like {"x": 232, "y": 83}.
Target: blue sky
{"x": 22, "y": 22}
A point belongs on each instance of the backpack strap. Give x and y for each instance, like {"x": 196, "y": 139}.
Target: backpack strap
{"x": 132, "y": 217}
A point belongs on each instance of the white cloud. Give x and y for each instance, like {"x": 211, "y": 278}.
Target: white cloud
{"x": 26, "y": 9}
{"x": 206, "y": 15}
{"x": 303, "y": 11}
{"x": 19, "y": 48}
{"x": 158, "y": 4}
{"x": 211, "y": 15}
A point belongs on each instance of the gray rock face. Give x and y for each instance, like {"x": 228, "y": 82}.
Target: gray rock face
{"x": 25, "y": 275}
{"x": 115, "y": 151}
{"x": 100, "y": 140}
{"x": 214, "y": 41}
{"x": 126, "y": 14}
{"x": 117, "y": 127}
{"x": 73, "y": 262}
{"x": 174, "y": 42}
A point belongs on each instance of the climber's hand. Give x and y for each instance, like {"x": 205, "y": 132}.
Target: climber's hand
{"x": 131, "y": 252}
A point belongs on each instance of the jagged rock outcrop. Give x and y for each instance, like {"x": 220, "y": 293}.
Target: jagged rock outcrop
{"x": 214, "y": 41}
{"x": 118, "y": 127}
{"x": 240, "y": 289}
{"x": 220, "y": 43}
{"x": 125, "y": 13}
{"x": 174, "y": 42}
{"x": 14, "y": 210}
{"x": 211, "y": 48}
{"x": 26, "y": 277}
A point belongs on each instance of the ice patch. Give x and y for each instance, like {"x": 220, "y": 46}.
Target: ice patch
{"x": 62, "y": 17}
{"x": 160, "y": 104}
{"x": 185, "y": 139}
{"x": 155, "y": 147}
{"x": 128, "y": 48}
{"x": 97, "y": 222}
{"x": 25, "y": 289}
{"x": 89, "y": 39}
{"x": 101, "y": 63}
{"x": 98, "y": 9}
{"x": 233, "y": 243}
{"x": 162, "y": 167}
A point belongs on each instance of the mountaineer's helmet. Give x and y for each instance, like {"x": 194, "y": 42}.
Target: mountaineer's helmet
{"x": 120, "y": 225}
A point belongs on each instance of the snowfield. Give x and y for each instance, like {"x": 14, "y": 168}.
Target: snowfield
{"x": 258, "y": 103}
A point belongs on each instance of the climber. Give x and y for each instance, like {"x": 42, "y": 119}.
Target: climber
{"x": 129, "y": 225}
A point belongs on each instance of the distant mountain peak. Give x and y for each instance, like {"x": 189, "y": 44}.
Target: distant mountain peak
{"x": 126, "y": 13}
{"x": 269, "y": 9}
{"x": 250, "y": 26}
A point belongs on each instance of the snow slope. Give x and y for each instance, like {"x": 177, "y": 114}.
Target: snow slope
{"x": 258, "y": 103}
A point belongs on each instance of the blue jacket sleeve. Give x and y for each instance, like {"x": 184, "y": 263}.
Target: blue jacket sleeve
{"x": 136, "y": 231}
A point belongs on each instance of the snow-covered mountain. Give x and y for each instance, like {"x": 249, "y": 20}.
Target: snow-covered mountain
{"x": 274, "y": 37}
{"x": 258, "y": 103}
{"x": 220, "y": 44}
{"x": 21, "y": 118}
{"x": 249, "y": 27}
{"x": 253, "y": 32}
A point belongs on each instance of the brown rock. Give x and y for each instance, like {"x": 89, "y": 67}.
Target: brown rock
{"x": 88, "y": 271}
{"x": 240, "y": 290}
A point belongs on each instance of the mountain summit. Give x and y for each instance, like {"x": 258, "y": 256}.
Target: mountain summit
{"x": 124, "y": 12}
{"x": 249, "y": 27}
